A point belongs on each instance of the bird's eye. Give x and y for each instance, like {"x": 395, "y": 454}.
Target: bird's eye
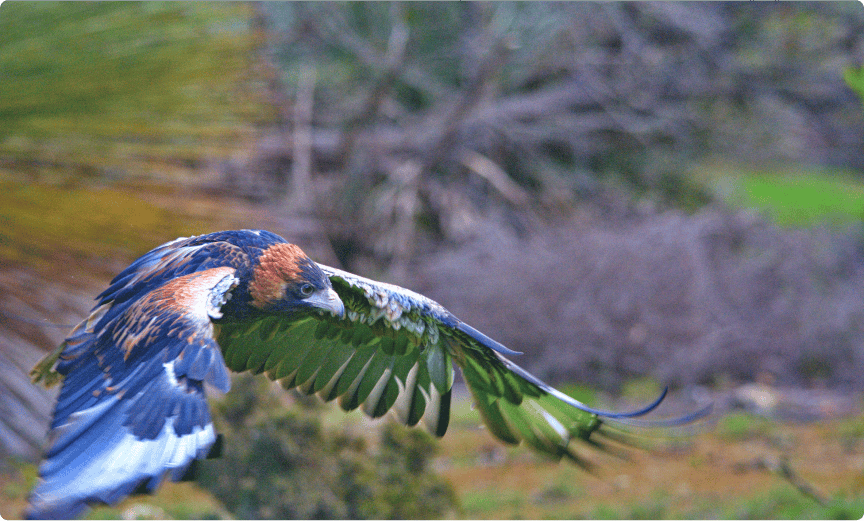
{"x": 307, "y": 290}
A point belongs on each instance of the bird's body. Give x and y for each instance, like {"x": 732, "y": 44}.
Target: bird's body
{"x": 132, "y": 407}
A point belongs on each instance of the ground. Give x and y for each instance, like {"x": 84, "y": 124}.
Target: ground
{"x": 732, "y": 470}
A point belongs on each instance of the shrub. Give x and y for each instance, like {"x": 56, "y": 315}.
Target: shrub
{"x": 284, "y": 463}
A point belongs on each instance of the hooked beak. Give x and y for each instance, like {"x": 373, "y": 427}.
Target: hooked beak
{"x": 328, "y": 300}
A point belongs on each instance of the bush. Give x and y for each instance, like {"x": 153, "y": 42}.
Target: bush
{"x": 682, "y": 299}
{"x": 284, "y": 463}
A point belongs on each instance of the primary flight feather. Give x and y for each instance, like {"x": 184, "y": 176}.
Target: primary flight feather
{"x": 132, "y": 407}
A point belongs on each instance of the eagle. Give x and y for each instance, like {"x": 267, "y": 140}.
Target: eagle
{"x": 132, "y": 408}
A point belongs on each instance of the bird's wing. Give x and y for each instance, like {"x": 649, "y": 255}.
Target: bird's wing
{"x": 132, "y": 406}
{"x": 170, "y": 260}
{"x": 384, "y": 353}
{"x": 394, "y": 349}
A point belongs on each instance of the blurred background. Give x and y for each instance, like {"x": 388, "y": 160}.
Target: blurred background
{"x": 633, "y": 194}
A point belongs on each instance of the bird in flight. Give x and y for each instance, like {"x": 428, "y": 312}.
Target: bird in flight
{"x": 132, "y": 407}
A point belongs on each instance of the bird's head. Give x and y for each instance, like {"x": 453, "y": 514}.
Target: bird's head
{"x": 286, "y": 280}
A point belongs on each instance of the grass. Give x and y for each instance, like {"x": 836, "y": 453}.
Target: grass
{"x": 716, "y": 476}
{"x": 794, "y": 197}
{"x": 740, "y": 426}
{"x": 802, "y": 200}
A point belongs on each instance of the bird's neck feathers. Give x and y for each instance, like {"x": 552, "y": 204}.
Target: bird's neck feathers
{"x": 279, "y": 265}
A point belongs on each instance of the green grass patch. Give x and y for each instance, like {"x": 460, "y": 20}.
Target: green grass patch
{"x": 779, "y": 502}
{"x": 783, "y": 502}
{"x": 484, "y": 502}
{"x": 739, "y": 426}
{"x": 803, "y": 196}
{"x": 806, "y": 199}
{"x": 655, "y": 507}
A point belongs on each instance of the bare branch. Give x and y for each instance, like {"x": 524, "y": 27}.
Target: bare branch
{"x": 497, "y": 177}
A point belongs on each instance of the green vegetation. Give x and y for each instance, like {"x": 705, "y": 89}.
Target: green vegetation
{"x": 131, "y": 88}
{"x": 48, "y": 226}
{"x": 641, "y": 389}
{"x": 855, "y": 79}
{"x": 777, "y": 503}
{"x": 739, "y": 426}
{"x": 297, "y": 464}
{"x": 479, "y": 502}
{"x": 807, "y": 199}
{"x": 786, "y": 503}
{"x": 94, "y": 94}
{"x": 714, "y": 475}
{"x": 800, "y": 197}
{"x": 292, "y": 467}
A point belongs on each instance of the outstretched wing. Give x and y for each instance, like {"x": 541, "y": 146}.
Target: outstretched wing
{"x": 132, "y": 406}
{"x": 395, "y": 349}
{"x": 384, "y": 354}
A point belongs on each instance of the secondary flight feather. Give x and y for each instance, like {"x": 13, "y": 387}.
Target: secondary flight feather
{"x": 132, "y": 407}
